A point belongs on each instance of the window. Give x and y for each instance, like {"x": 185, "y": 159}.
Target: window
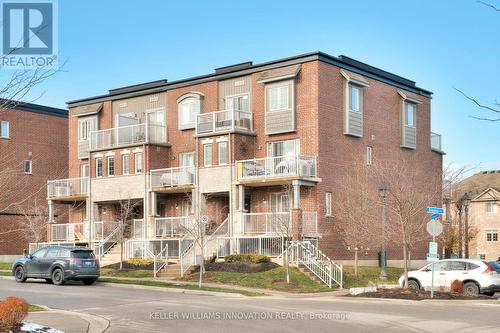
{"x": 138, "y": 163}
{"x": 239, "y": 103}
{"x": 207, "y": 154}
{"x": 458, "y": 266}
{"x": 492, "y": 235}
{"x": 369, "y": 155}
{"x": 280, "y": 202}
{"x": 410, "y": 114}
{"x": 40, "y": 253}
{"x": 491, "y": 207}
{"x": 85, "y": 126}
{"x": 328, "y": 203}
{"x": 278, "y": 97}
{"x": 438, "y": 266}
{"x": 125, "y": 164}
{"x": 189, "y": 107}
{"x": 98, "y": 167}
{"x": 27, "y": 167}
{"x": 354, "y": 98}
{"x": 4, "y": 129}
{"x": 482, "y": 257}
{"x": 283, "y": 148}
{"x": 186, "y": 159}
{"x": 156, "y": 118}
{"x": 223, "y": 152}
{"x": 111, "y": 166}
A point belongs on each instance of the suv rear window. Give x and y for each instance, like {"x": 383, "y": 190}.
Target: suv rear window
{"x": 82, "y": 254}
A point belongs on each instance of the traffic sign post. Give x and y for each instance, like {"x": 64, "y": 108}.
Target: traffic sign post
{"x": 435, "y": 210}
{"x": 434, "y": 228}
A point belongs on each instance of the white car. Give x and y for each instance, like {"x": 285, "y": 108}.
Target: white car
{"x": 478, "y": 276}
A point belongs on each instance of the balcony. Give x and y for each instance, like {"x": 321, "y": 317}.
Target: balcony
{"x": 83, "y": 149}
{"x": 272, "y": 169}
{"x": 66, "y": 232}
{"x": 128, "y": 136}
{"x": 171, "y": 226}
{"x": 436, "y": 142}
{"x": 224, "y": 121}
{"x": 172, "y": 179}
{"x": 68, "y": 189}
{"x": 267, "y": 223}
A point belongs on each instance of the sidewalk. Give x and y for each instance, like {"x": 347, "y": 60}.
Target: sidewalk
{"x": 68, "y": 321}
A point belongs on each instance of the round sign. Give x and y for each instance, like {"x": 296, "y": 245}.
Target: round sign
{"x": 434, "y": 227}
{"x": 204, "y": 219}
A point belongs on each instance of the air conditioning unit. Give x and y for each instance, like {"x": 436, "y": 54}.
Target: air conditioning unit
{"x": 63, "y": 191}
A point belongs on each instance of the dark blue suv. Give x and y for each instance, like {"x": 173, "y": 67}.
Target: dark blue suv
{"x": 58, "y": 264}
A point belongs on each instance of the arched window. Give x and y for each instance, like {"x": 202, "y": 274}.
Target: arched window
{"x": 189, "y": 106}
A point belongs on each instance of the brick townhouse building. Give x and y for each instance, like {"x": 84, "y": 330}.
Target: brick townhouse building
{"x": 33, "y": 149}
{"x": 247, "y": 149}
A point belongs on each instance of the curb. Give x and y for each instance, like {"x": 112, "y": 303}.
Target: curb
{"x": 96, "y": 324}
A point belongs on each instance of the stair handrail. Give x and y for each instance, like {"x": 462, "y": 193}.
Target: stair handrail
{"x": 102, "y": 250}
{"x": 183, "y": 253}
{"x": 318, "y": 253}
{"x": 211, "y": 237}
{"x": 157, "y": 257}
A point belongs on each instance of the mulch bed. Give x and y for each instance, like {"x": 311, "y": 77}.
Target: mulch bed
{"x": 419, "y": 295}
{"x": 239, "y": 267}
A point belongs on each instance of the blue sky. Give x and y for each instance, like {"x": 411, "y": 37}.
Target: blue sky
{"x": 438, "y": 44}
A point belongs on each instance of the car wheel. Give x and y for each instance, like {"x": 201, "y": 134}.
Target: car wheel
{"x": 471, "y": 289}
{"x": 89, "y": 282}
{"x": 20, "y": 274}
{"x": 413, "y": 285}
{"x": 49, "y": 281}
{"x": 58, "y": 276}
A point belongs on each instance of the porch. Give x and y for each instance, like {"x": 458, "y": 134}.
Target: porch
{"x": 68, "y": 190}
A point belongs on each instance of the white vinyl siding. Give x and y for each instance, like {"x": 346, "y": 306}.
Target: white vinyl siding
{"x": 353, "y": 110}
{"x": 138, "y": 163}
{"x": 223, "y": 153}
{"x": 328, "y": 204}
{"x": 492, "y": 235}
{"x": 280, "y": 107}
{"x": 207, "y": 154}
{"x": 98, "y": 167}
{"x": 409, "y": 125}
{"x": 111, "y": 166}
{"x": 125, "y": 164}
{"x": 27, "y": 167}
{"x": 4, "y": 129}
{"x": 189, "y": 107}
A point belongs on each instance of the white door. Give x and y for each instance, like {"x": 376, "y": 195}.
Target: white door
{"x": 440, "y": 271}
{"x": 280, "y": 202}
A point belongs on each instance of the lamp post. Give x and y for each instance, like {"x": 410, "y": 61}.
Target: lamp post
{"x": 382, "y": 191}
{"x": 466, "y": 202}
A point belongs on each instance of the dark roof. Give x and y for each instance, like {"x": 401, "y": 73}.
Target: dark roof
{"x": 246, "y": 68}
{"x": 478, "y": 183}
{"x": 35, "y": 108}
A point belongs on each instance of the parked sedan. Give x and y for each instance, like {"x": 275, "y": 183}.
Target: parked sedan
{"x": 58, "y": 264}
{"x": 478, "y": 276}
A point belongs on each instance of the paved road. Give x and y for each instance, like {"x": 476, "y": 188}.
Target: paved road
{"x": 132, "y": 309}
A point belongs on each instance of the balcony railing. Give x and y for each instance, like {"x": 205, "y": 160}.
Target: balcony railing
{"x": 226, "y": 120}
{"x": 267, "y": 223}
{"x": 172, "y": 226}
{"x": 66, "y": 232}
{"x": 66, "y": 188}
{"x": 172, "y": 177}
{"x": 128, "y": 135}
{"x": 436, "y": 142}
{"x": 83, "y": 149}
{"x": 280, "y": 166}
{"x": 102, "y": 230}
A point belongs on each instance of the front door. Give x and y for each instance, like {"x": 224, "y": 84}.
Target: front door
{"x": 280, "y": 202}
{"x": 33, "y": 265}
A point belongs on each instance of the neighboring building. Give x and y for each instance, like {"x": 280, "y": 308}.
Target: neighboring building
{"x": 249, "y": 146}
{"x": 483, "y": 190}
{"x": 33, "y": 149}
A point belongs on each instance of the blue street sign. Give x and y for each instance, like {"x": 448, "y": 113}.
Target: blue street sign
{"x": 435, "y": 216}
{"x": 435, "y": 210}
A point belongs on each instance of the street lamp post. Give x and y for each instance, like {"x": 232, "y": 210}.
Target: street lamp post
{"x": 383, "y": 194}
{"x": 466, "y": 202}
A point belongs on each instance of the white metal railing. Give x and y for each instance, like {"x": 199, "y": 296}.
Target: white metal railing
{"x": 306, "y": 254}
{"x": 171, "y": 226}
{"x": 172, "y": 177}
{"x": 267, "y": 223}
{"x": 187, "y": 254}
{"x": 436, "y": 141}
{"x": 279, "y": 166}
{"x": 309, "y": 223}
{"x": 225, "y": 120}
{"x": 36, "y": 246}
{"x": 211, "y": 239}
{"x": 102, "y": 247}
{"x": 128, "y": 135}
{"x": 66, "y": 232}
{"x": 70, "y": 187}
{"x": 269, "y": 246}
{"x": 138, "y": 228}
{"x": 83, "y": 149}
{"x": 135, "y": 248}
{"x": 102, "y": 230}
{"x": 160, "y": 260}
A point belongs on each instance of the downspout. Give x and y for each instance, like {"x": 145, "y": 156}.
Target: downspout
{"x": 231, "y": 166}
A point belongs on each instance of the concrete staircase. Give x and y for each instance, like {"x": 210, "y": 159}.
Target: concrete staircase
{"x": 112, "y": 256}
{"x": 171, "y": 272}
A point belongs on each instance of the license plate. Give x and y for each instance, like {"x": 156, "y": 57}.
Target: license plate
{"x": 89, "y": 263}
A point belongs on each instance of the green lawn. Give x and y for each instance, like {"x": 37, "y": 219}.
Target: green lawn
{"x": 153, "y": 283}
{"x": 367, "y": 274}
{"x": 6, "y": 265}
{"x": 138, "y": 273}
{"x": 35, "y": 308}
{"x": 5, "y": 273}
{"x": 274, "y": 279}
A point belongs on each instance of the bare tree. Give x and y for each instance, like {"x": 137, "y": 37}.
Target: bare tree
{"x": 36, "y": 219}
{"x": 126, "y": 214}
{"x": 410, "y": 192}
{"x": 283, "y": 227}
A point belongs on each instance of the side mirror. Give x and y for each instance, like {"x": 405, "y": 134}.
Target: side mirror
{"x": 30, "y": 256}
